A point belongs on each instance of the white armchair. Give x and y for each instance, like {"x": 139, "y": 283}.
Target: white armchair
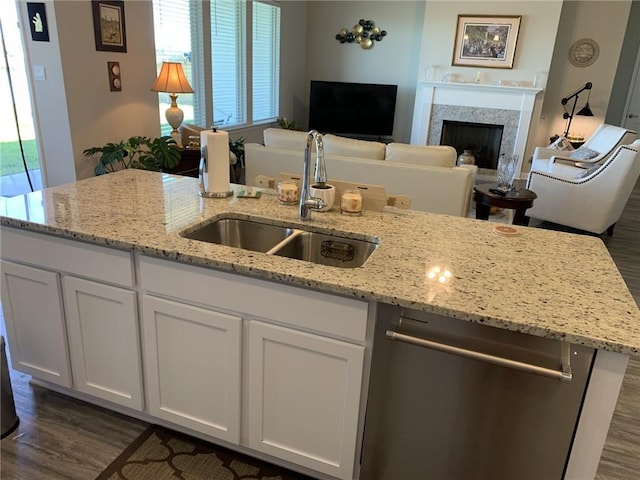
{"x": 602, "y": 143}
{"x": 592, "y": 199}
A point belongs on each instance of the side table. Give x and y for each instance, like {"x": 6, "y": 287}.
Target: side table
{"x": 519, "y": 201}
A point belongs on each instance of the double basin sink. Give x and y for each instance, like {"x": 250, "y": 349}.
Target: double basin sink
{"x": 290, "y": 241}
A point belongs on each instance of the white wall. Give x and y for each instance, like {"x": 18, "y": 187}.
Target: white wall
{"x": 74, "y": 108}
{"x": 391, "y": 61}
{"x": 605, "y": 22}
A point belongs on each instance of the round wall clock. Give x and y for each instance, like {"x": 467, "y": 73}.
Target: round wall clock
{"x": 584, "y": 52}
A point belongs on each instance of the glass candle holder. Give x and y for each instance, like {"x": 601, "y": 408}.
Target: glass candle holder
{"x": 288, "y": 192}
{"x": 351, "y": 203}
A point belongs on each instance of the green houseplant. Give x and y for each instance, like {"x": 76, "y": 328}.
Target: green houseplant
{"x": 157, "y": 154}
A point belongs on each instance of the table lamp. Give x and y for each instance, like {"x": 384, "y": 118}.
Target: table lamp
{"x": 172, "y": 80}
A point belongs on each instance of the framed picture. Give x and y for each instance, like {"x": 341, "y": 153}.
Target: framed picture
{"x": 486, "y": 41}
{"x": 108, "y": 25}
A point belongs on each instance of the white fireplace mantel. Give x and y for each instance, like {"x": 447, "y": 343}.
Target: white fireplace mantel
{"x": 464, "y": 95}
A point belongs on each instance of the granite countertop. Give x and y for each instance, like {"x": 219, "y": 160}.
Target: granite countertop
{"x": 541, "y": 282}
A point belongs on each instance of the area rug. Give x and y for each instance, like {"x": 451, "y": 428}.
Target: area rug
{"x": 161, "y": 454}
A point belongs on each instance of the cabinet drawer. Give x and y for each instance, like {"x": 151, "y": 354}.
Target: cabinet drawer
{"x": 302, "y": 308}
{"x": 69, "y": 256}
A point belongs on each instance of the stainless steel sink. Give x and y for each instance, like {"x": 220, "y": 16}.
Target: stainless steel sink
{"x": 325, "y": 249}
{"x": 285, "y": 241}
{"x": 240, "y": 233}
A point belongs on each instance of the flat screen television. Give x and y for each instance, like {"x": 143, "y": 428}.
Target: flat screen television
{"x": 352, "y": 109}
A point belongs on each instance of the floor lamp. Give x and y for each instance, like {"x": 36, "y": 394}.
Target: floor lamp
{"x": 584, "y": 111}
{"x": 172, "y": 80}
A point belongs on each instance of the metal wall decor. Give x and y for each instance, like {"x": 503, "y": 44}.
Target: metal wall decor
{"x": 365, "y": 32}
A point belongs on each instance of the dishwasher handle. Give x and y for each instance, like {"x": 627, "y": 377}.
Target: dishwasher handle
{"x": 564, "y": 374}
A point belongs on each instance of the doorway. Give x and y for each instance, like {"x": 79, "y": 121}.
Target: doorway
{"x": 17, "y": 133}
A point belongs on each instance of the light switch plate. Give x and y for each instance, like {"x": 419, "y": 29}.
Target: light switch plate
{"x": 39, "y": 73}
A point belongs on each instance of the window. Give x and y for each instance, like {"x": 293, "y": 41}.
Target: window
{"x": 230, "y": 51}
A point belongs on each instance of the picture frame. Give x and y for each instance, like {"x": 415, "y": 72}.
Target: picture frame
{"x": 109, "y": 25}
{"x": 487, "y": 41}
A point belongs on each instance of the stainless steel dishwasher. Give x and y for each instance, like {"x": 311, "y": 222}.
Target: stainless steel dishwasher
{"x": 449, "y": 399}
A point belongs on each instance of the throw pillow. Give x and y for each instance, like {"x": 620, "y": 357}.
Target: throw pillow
{"x": 430, "y": 155}
{"x": 583, "y": 153}
{"x": 349, "y": 147}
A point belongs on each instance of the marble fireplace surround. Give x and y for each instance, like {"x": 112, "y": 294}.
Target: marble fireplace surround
{"x": 510, "y": 106}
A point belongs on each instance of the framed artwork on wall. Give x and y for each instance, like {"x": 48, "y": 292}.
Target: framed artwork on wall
{"x": 486, "y": 41}
{"x": 108, "y": 25}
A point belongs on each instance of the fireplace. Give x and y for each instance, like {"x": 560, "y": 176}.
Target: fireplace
{"x": 482, "y": 139}
{"x": 507, "y": 106}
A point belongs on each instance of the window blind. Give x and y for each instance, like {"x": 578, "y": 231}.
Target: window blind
{"x": 265, "y": 61}
{"x": 228, "y": 49}
{"x": 172, "y": 34}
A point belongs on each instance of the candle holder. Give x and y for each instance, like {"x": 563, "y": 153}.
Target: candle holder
{"x": 351, "y": 203}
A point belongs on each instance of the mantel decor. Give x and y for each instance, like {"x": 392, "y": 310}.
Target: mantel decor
{"x": 365, "y": 33}
{"x": 108, "y": 25}
{"x": 486, "y": 41}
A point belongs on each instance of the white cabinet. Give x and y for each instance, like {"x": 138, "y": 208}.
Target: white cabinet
{"x": 304, "y": 397}
{"x": 284, "y": 363}
{"x": 71, "y": 313}
{"x": 193, "y": 366}
{"x": 33, "y": 313}
{"x": 103, "y": 341}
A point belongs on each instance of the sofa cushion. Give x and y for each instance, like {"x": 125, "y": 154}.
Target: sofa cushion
{"x": 432, "y": 155}
{"x": 349, "y": 147}
{"x": 287, "y": 139}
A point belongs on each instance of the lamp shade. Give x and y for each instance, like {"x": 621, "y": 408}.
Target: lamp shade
{"x": 172, "y": 79}
{"x": 585, "y": 111}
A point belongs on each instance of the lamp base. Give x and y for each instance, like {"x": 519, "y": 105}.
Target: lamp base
{"x": 174, "y": 116}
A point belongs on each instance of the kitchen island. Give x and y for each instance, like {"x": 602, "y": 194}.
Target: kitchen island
{"x": 542, "y": 283}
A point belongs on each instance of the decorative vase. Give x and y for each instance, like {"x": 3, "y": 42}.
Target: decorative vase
{"x": 466, "y": 158}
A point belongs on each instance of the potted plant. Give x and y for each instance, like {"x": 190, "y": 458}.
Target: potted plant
{"x": 157, "y": 154}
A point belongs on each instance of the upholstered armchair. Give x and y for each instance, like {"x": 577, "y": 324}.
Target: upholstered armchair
{"x": 589, "y": 199}
{"x": 598, "y": 147}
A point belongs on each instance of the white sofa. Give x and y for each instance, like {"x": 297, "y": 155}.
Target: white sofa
{"x": 427, "y": 174}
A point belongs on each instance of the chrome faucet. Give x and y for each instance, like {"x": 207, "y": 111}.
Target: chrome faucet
{"x": 307, "y": 202}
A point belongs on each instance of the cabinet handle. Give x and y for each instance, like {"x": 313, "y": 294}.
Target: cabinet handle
{"x": 564, "y": 375}
{"x": 631, "y": 115}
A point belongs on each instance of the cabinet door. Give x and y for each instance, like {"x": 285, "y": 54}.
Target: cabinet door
{"x": 304, "y": 396}
{"x": 192, "y": 366}
{"x": 102, "y": 324}
{"x": 32, "y": 304}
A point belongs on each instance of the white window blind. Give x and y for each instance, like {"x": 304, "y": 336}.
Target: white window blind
{"x": 228, "y": 49}
{"x": 265, "y": 61}
{"x": 172, "y": 32}
{"x": 217, "y": 49}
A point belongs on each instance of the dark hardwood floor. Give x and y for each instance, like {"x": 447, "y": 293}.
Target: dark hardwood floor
{"x": 60, "y": 438}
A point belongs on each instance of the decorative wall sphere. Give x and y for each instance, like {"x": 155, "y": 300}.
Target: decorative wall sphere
{"x": 366, "y": 43}
{"x": 365, "y": 33}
